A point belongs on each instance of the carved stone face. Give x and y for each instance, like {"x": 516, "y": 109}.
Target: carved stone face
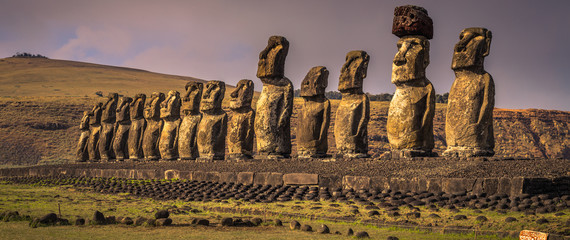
{"x": 152, "y": 107}
{"x": 272, "y": 59}
{"x": 473, "y": 46}
{"x": 95, "y": 114}
{"x": 411, "y": 60}
{"x": 315, "y": 82}
{"x": 137, "y": 106}
{"x": 213, "y": 96}
{"x": 110, "y": 108}
{"x": 353, "y": 71}
{"x": 170, "y": 107}
{"x": 242, "y": 95}
{"x": 412, "y": 20}
{"x": 123, "y": 109}
{"x": 191, "y": 99}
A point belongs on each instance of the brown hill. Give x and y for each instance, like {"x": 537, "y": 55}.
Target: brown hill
{"x": 40, "y": 125}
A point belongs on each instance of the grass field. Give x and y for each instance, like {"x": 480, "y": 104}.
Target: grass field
{"x": 37, "y": 201}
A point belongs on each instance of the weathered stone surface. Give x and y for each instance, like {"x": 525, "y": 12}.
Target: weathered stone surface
{"x": 123, "y": 125}
{"x": 191, "y": 116}
{"x": 355, "y": 182}
{"x": 241, "y": 123}
{"x": 81, "y": 152}
{"x": 469, "y": 119}
{"x": 275, "y": 103}
{"x": 353, "y": 113}
{"x": 410, "y": 116}
{"x": 109, "y": 113}
{"x": 314, "y": 115}
{"x": 95, "y": 132}
{"x": 170, "y": 114}
{"x": 532, "y": 235}
{"x": 300, "y": 179}
{"x": 245, "y": 177}
{"x": 412, "y": 20}
{"x": 153, "y": 126}
{"x": 213, "y": 127}
{"x": 138, "y": 124}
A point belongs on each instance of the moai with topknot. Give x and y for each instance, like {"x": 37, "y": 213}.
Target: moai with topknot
{"x": 95, "y": 132}
{"x": 213, "y": 127}
{"x": 170, "y": 114}
{"x": 123, "y": 126}
{"x": 191, "y": 116}
{"x": 275, "y": 103}
{"x": 353, "y": 113}
{"x": 108, "y": 117}
{"x": 469, "y": 119}
{"x": 410, "y": 116}
{"x": 138, "y": 124}
{"x": 314, "y": 115}
{"x": 153, "y": 127}
{"x": 82, "y": 153}
{"x": 240, "y": 126}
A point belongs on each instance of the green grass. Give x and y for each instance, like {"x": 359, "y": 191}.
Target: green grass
{"x": 37, "y": 201}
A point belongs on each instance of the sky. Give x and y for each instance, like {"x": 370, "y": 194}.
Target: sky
{"x": 221, "y": 40}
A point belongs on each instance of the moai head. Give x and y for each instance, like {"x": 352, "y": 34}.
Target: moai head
{"x": 84, "y": 125}
{"x": 473, "y": 46}
{"x": 152, "y": 107}
{"x": 315, "y": 82}
{"x": 170, "y": 107}
{"x": 412, "y": 20}
{"x": 353, "y": 71}
{"x": 242, "y": 96}
{"x": 213, "y": 96}
{"x": 110, "y": 107}
{"x": 191, "y": 99}
{"x": 95, "y": 114}
{"x": 411, "y": 60}
{"x": 137, "y": 106}
{"x": 123, "y": 109}
{"x": 272, "y": 59}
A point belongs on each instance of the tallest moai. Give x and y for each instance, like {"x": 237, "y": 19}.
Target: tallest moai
{"x": 410, "y": 117}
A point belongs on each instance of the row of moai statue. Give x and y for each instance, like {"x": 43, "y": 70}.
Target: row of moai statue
{"x": 131, "y": 128}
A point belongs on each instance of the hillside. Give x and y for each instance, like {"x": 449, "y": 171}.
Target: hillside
{"x": 40, "y": 125}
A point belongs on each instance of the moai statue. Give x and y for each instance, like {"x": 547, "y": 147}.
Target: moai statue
{"x": 95, "y": 132}
{"x": 153, "y": 127}
{"x": 314, "y": 115}
{"x": 469, "y": 119}
{"x": 170, "y": 114}
{"x": 108, "y": 127}
{"x": 275, "y": 103}
{"x": 82, "y": 153}
{"x": 138, "y": 124}
{"x": 213, "y": 127}
{"x": 123, "y": 126}
{"x": 410, "y": 117}
{"x": 191, "y": 116}
{"x": 240, "y": 129}
{"x": 353, "y": 113}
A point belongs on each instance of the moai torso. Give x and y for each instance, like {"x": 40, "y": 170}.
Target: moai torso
{"x": 82, "y": 153}
{"x": 109, "y": 113}
{"x": 153, "y": 126}
{"x": 240, "y": 127}
{"x": 138, "y": 124}
{"x": 353, "y": 112}
{"x": 410, "y": 117}
{"x": 213, "y": 127}
{"x": 170, "y": 114}
{"x": 469, "y": 119}
{"x": 191, "y": 116}
{"x": 123, "y": 126}
{"x": 314, "y": 115}
{"x": 275, "y": 103}
{"x": 95, "y": 132}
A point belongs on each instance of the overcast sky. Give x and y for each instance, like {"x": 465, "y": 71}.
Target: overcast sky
{"x": 222, "y": 39}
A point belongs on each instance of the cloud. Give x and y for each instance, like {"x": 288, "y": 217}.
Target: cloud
{"x": 93, "y": 43}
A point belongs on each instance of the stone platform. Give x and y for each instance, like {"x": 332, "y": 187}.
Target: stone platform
{"x": 475, "y": 175}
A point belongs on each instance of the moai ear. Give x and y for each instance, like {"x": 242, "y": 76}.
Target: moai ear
{"x": 488, "y": 38}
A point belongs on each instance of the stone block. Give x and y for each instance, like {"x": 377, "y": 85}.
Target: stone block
{"x": 355, "y": 182}
{"x": 379, "y": 183}
{"x": 147, "y": 174}
{"x": 245, "y": 178}
{"x": 171, "y": 174}
{"x": 206, "y": 176}
{"x": 274, "y": 179}
{"x": 434, "y": 185}
{"x": 412, "y": 20}
{"x": 229, "y": 177}
{"x": 260, "y": 178}
{"x": 490, "y": 185}
{"x": 532, "y": 235}
{"x": 330, "y": 181}
{"x": 300, "y": 179}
